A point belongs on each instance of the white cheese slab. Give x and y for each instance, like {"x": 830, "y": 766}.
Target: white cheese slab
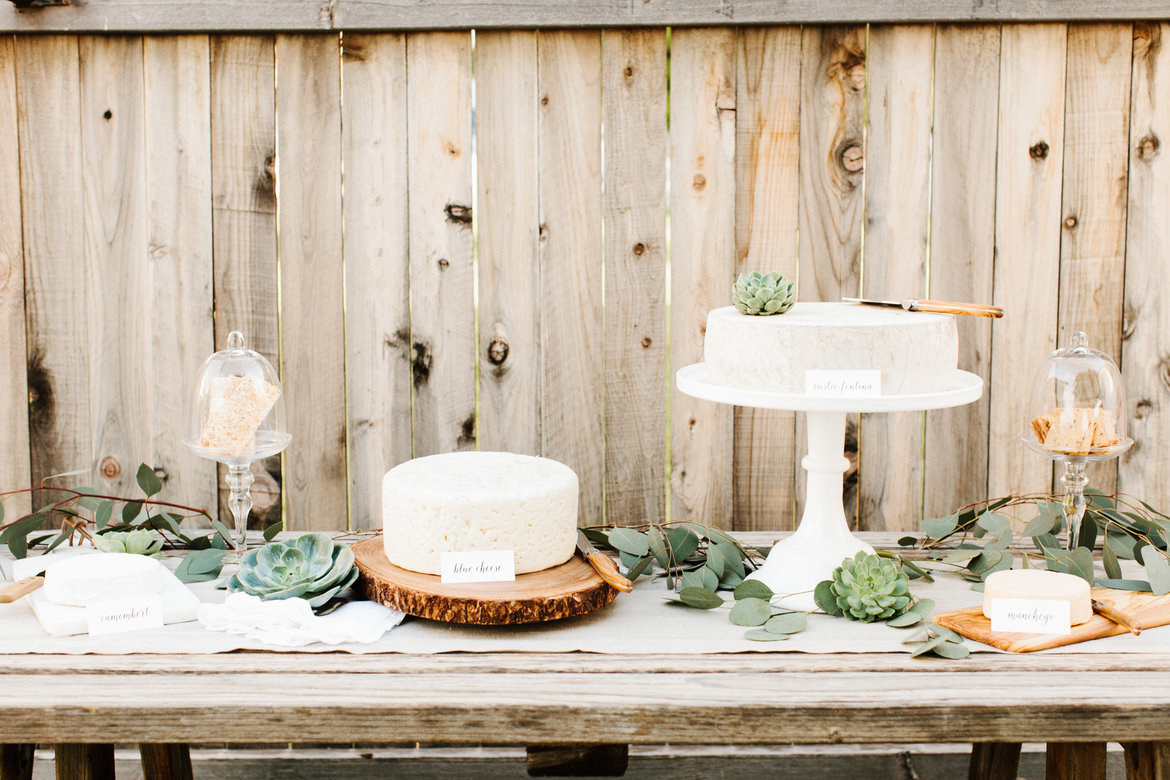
{"x": 179, "y": 605}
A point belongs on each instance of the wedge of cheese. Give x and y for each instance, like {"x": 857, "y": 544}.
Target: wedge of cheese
{"x": 1040, "y": 585}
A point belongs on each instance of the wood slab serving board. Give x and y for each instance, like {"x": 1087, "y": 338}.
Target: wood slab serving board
{"x": 1140, "y": 610}
{"x": 573, "y": 588}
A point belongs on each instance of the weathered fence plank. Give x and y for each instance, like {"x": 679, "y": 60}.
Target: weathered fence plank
{"x": 312, "y": 15}
{"x": 56, "y": 284}
{"x": 634, "y": 73}
{"x": 312, "y": 325}
{"x": 1027, "y": 242}
{"x": 177, "y": 74}
{"x": 442, "y": 314}
{"x": 832, "y": 160}
{"x": 1146, "y": 330}
{"x": 897, "y": 216}
{"x": 962, "y": 249}
{"x": 243, "y": 217}
{"x": 767, "y": 144}
{"x": 377, "y": 278}
{"x": 14, "y": 391}
{"x": 571, "y": 329}
{"x": 1096, "y": 155}
{"x": 702, "y": 214}
{"x": 509, "y": 232}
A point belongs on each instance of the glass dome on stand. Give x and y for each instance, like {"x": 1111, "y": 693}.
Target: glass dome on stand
{"x": 238, "y": 418}
{"x": 1077, "y": 414}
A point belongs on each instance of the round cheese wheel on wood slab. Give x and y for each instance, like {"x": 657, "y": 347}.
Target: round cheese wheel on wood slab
{"x": 568, "y": 590}
{"x": 1038, "y": 584}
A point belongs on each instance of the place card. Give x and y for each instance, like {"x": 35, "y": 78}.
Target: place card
{"x": 478, "y": 566}
{"x": 843, "y": 384}
{"x": 1031, "y": 616}
{"x": 114, "y": 616}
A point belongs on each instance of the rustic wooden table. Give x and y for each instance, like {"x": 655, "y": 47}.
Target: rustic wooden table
{"x": 1074, "y": 702}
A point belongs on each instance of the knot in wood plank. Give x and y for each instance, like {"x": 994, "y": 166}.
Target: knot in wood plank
{"x": 1148, "y": 147}
{"x": 110, "y": 467}
{"x": 498, "y": 351}
{"x": 1070, "y": 222}
{"x": 1142, "y": 409}
{"x": 1038, "y": 150}
{"x": 420, "y": 363}
{"x": 460, "y": 215}
{"x": 852, "y": 158}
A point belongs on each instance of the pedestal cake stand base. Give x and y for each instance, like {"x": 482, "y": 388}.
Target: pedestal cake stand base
{"x": 796, "y": 564}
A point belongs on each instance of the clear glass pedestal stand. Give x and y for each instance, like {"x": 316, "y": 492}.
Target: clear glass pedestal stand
{"x": 822, "y": 540}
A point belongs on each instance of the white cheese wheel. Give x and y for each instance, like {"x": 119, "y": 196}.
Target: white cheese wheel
{"x": 1040, "y": 585}
{"x": 916, "y": 352}
{"x": 465, "y": 501}
{"x": 78, "y": 582}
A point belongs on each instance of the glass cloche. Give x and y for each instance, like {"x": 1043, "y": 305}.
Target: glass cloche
{"x": 237, "y": 418}
{"x": 1076, "y": 414}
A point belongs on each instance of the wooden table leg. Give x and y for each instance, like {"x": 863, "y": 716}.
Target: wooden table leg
{"x": 85, "y": 762}
{"x": 994, "y": 761}
{"x": 16, "y": 762}
{"x": 1075, "y": 761}
{"x": 165, "y": 761}
{"x": 1147, "y": 760}
{"x": 578, "y": 760}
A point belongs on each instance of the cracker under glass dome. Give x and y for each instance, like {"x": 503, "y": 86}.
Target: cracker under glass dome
{"x": 237, "y": 418}
{"x": 1077, "y": 414}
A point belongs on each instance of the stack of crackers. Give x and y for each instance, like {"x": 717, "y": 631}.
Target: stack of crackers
{"x": 1076, "y": 431}
{"x": 237, "y": 406}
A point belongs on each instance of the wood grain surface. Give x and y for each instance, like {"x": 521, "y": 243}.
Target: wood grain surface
{"x": 570, "y": 589}
{"x": 572, "y": 334}
{"x": 767, "y": 138}
{"x": 702, "y": 215}
{"x": 310, "y": 15}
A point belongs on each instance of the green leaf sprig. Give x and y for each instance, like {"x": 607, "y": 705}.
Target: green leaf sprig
{"x": 691, "y": 555}
{"x": 980, "y": 538}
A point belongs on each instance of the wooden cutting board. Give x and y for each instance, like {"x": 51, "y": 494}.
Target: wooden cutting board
{"x": 1140, "y": 610}
{"x": 571, "y": 589}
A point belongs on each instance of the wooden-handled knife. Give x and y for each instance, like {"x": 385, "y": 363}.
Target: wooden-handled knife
{"x": 20, "y": 589}
{"x": 602, "y": 564}
{"x": 941, "y": 307}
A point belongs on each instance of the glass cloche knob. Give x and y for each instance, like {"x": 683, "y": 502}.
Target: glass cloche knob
{"x": 237, "y": 418}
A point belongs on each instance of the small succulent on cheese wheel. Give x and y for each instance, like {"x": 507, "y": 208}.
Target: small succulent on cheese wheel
{"x": 865, "y": 587}
{"x": 758, "y": 293}
{"x": 140, "y": 541}
{"x": 310, "y": 566}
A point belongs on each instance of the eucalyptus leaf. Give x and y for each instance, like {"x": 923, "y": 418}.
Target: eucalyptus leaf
{"x": 61, "y": 537}
{"x": 905, "y": 620}
{"x": 629, "y": 560}
{"x": 1118, "y": 584}
{"x": 271, "y": 531}
{"x": 1122, "y": 545}
{"x": 730, "y": 580}
{"x": 640, "y": 568}
{"x": 102, "y": 515}
{"x": 683, "y": 543}
{"x": 944, "y": 632}
{"x": 1109, "y": 560}
{"x": 1157, "y": 570}
{"x": 1040, "y": 524}
{"x": 222, "y": 530}
{"x": 918, "y": 636}
{"x": 204, "y": 561}
{"x": 927, "y": 646}
{"x": 184, "y": 573}
{"x": 938, "y": 527}
{"x": 763, "y": 635}
{"x": 732, "y": 559}
{"x": 596, "y": 536}
{"x": 147, "y": 480}
{"x": 985, "y": 561}
{"x": 959, "y": 556}
{"x": 923, "y": 607}
{"x": 700, "y": 598}
{"x": 716, "y": 564}
{"x": 1080, "y": 563}
{"x": 130, "y": 511}
{"x": 952, "y": 650}
{"x": 1098, "y": 500}
{"x": 788, "y": 623}
{"x": 1087, "y": 537}
{"x": 750, "y": 612}
{"x": 908, "y": 541}
{"x": 629, "y": 541}
{"x": 753, "y": 589}
{"x": 823, "y": 596}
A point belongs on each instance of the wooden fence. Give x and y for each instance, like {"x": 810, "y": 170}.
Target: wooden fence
{"x": 510, "y": 240}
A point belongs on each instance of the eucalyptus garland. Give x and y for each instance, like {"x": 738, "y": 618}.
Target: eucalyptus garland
{"x": 980, "y": 538}
{"x": 84, "y": 513}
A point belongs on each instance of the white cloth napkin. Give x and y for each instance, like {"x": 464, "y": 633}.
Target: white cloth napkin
{"x": 291, "y": 622}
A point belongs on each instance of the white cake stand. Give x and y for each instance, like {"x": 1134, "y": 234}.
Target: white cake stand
{"x": 796, "y": 564}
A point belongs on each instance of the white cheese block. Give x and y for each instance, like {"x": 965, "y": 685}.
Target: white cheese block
{"x": 916, "y": 352}
{"x": 465, "y": 501}
{"x": 80, "y": 581}
{"x": 1040, "y": 585}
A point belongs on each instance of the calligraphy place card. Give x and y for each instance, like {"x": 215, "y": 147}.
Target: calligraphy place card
{"x": 1031, "y": 616}
{"x": 478, "y": 566}
{"x": 843, "y": 384}
{"x": 113, "y": 616}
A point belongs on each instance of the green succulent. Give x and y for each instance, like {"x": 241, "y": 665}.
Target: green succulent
{"x": 310, "y": 566}
{"x": 866, "y": 587}
{"x": 140, "y": 541}
{"x": 758, "y": 293}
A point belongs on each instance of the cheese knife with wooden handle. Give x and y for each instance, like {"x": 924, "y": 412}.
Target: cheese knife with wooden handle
{"x": 20, "y": 589}
{"x": 941, "y": 307}
{"x": 602, "y": 564}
